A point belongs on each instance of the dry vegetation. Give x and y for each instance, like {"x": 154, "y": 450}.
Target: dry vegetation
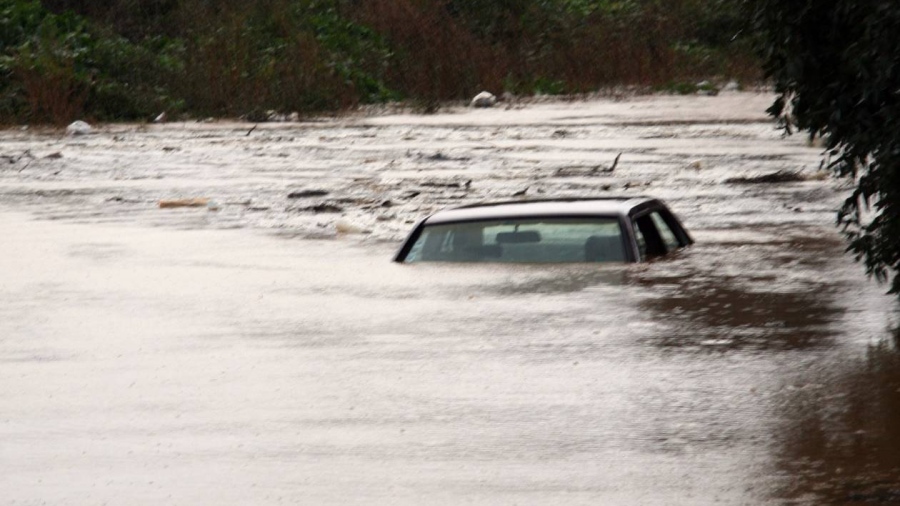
{"x": 131, "y": 59}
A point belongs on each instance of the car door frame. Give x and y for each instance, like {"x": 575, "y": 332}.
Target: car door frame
{"x": 647, "y": 208}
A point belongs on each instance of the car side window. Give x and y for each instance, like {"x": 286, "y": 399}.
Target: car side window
{"x": 652, "y": 244}
{"x": 668, "y": 237}
{"x": 641, "y": 242}
{"x": 654, "y": 235}
{"x": 525, "y": 240}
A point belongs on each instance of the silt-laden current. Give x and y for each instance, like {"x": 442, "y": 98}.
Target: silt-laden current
{"x": 262, "y": 348}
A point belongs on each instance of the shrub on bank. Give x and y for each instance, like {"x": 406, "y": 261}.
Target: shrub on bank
{"x": 131, "y": 59}
{"x": 57, "y": 67}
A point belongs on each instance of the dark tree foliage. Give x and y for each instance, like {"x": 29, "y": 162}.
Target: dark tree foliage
{"x": 133, "y": 19}
{"x": 836, "y": 68}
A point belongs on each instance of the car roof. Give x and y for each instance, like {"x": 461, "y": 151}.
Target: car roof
{"x": 607, "y": 206}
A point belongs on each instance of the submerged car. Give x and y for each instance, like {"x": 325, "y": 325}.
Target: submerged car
{"x": 620, "y": 229}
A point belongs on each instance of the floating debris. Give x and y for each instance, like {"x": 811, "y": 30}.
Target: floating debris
{"x": 324, "y": 207}
{"x": 614, "y": 164}
{"x": 303, "y": 194}
{"x": 441, "y": 157}
{"x": 14, "y": 159}
{"x": 197, "y": 202}
{"x": 574, "y": 171}
{"x": 348, "y": 227}
{"x": 781, "y": 176}
{"x": 440, "y": 184}
{"x": 123, "y": 200}
{"x": 587, "y": 171}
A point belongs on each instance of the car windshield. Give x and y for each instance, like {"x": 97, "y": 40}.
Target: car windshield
{"x": 537, "y": 240}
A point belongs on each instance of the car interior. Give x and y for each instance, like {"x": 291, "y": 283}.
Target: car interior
{"x": 553, "y": 240}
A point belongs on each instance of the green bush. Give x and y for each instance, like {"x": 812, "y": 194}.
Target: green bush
{"x": 47, "y": 67}
{"x": 130, "y": 59}
{"x": 59, "y": 67}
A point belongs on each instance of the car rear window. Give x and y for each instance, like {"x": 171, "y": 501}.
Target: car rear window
{"x": 540, "y": 240}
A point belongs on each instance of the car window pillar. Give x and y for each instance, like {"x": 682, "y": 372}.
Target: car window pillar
{"x": 654, "y": 242}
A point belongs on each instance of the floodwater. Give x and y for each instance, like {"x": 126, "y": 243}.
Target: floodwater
{"x": 264, "y": 350}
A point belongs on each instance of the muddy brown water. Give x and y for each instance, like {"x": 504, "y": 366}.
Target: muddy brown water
{"x": 263, "y": 349}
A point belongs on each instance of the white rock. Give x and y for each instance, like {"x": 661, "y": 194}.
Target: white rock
{"x": 731, "y": 86}
{"x": 161, "y": 118}
{"x": 706, "y": 88}
{"x": 78, "y": 128}
{"x": 484, "y": 99}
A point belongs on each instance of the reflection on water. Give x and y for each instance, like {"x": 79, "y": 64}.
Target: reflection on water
{"x": 554, "y": 279}
{"x": 765, "y": 297}
{"x": 839, "y": 436}
{"x": 835, "y": 408}
{"x": 724, "y": 316}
